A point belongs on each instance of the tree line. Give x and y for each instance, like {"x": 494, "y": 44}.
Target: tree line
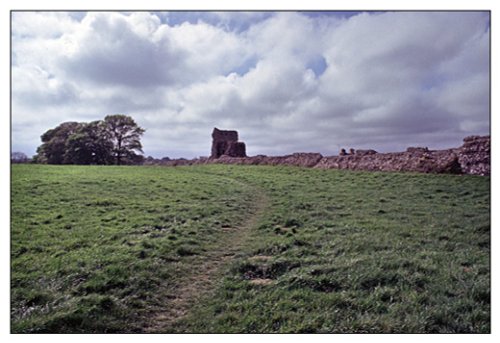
{"x": 114, "y": 140}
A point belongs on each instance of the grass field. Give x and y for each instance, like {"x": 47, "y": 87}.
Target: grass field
{"x": 248, "y": 249}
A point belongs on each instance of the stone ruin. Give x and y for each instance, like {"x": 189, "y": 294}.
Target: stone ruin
{"x": 358, "y": 152}
{"x": 472, "y": 158}
{"x": 474, "y": 155}
{"x": 226, "y": 143}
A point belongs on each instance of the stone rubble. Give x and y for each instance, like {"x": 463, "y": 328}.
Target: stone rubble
{"x": 474, "y": 155}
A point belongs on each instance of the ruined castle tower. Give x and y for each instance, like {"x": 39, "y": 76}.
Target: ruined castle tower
{"x": 226, "y": 143}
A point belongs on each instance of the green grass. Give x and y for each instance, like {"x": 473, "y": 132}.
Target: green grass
{"x": 99, "y": 249}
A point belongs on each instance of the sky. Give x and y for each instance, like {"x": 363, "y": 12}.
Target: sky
{"x": 286, "y": 81}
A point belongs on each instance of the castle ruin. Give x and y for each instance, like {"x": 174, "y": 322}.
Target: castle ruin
{"x": 226, "y": 143}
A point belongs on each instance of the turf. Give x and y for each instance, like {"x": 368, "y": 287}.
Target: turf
{"x": 109, "y": 249}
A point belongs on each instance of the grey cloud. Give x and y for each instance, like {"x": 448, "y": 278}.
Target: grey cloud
{"x": 229, "y": 21}
{"x": 35, "y": 87}
{"x": 116, "y": 49}
{"x": 111, "y": 52}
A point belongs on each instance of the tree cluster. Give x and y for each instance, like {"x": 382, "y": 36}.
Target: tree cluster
{"x": 114, "y": 140}
{"x": 19, "y": 157}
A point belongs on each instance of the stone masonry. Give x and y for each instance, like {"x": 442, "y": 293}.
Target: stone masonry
{"x": 226, "y": 143}
{"x": 472, "y": 158}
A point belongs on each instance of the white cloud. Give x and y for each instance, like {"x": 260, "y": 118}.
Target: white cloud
{"x": 287, "y": 81}
{"x": 42, "y": 24}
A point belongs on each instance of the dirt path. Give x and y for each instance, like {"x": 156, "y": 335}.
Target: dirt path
{"x": 204, "y": 275}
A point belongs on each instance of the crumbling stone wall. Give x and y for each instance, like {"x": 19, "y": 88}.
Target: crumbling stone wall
{"x": 225, "y": 142}
{"x": 365, "y": 152}
{"x": 474, "y": 155}
{"x": 472, "y": 158}
{"x": 299, "y": 159}
{"x": 440, "y": 161}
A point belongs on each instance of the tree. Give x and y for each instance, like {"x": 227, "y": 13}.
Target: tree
{"x": 53, "y": 149}
{"x": 114, "y": 140}
{"x": 125, "y": 136}
{"x": 19, "y": 157}
{"x": 89, "y": 144}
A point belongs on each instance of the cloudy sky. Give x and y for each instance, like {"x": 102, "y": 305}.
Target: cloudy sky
{"x": 287, "y": 81}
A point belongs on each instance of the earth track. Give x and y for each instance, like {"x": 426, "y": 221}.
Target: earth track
{"x": 204, "y": 275}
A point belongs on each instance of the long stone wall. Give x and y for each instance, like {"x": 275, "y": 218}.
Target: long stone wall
{"x": 472, "y": 158}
